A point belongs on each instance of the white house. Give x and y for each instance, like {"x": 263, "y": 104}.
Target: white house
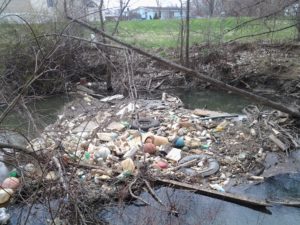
{"x": 35, "y": 11}
{"x": 39, "y": 11}
{"x": 148, "y": 13}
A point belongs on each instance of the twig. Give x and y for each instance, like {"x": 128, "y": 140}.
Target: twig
{"x": 183, "y": 165}
{"x": 149, "y": 84}
{"x": 152, "y": 192}
{"x": 61, "y": 175}
{"x": 98, "y": 168}
{"x": 218, "y": 117}
{"x": 262, "y": 33}
{"x": 135, "y": 196}
{"x": 159, "y": 84}
{"x": 85, "y": 40}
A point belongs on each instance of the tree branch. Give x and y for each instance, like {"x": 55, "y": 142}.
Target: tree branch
{"x": 202, "y": 75}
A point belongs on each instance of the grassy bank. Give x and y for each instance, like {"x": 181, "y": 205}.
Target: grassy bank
{"x": 165, "y": 33}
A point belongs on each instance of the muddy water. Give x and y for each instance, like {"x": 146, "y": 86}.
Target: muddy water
{"x": 44, "y": 111}
{"x": 196, "y": 209}
{"x": 213, "y": 100}
{"x": 191, "y": 209}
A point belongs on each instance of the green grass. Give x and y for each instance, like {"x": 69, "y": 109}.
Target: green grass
{"x": 165, "y": 33}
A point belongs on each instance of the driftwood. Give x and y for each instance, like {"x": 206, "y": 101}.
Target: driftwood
{"x": 203, "y": 75}
{"x": 259, "y": 205}
{"x": 218, "y": 117}
{"x": 88, "y": 166}
{"x": 279, "y": 143}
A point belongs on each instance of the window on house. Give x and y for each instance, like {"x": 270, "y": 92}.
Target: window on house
{"x": 50, "y": 3}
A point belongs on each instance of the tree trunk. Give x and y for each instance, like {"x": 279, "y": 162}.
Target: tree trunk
{"x": 181, "y": 34}
{"x": 106, "y": 51}
{"x": 123, "y": 6}
{"x": 187, "y": 41}
{"x": 298, "y": 20}
{"x": 211, "y": 7}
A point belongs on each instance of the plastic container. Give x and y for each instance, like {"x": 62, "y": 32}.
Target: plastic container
{"x": 4, "y": 216}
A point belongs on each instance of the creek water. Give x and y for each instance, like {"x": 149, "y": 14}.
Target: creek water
{"x": 193, "y": 209}
{"x": 44, "y": 111}
{"x": 212, "y": 100}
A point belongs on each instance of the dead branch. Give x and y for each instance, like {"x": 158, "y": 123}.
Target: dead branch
{"x": 262, "y": 33}
{"x": 261, "y": 17}
{"x": 186, "y": 164}
{"x": 85, "y": 40}
{"x": 158, "y": 84}
{"x": 135, "y": 196}
{"x": 259, "y": 99}
{"x": 17, "y": 98}
{"x": 241, "y": 200}
{"x": 61, "y": 175}
{"x": 152, "y": 192}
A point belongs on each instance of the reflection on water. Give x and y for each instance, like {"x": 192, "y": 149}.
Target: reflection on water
{"x": 196, "y": 209}
{"x": 213, "y": 100}
{"x": 280, "y": 187}
{"x": 36, "y": 215}
{"x": 44, "y": 112}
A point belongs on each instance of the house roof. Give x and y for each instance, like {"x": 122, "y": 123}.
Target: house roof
{"x": 159, "y": 8}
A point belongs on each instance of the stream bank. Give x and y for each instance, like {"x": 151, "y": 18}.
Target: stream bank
{"x": 85, "y": 150}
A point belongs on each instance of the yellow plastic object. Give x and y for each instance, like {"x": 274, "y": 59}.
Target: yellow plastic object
{"x": 221, "y": 126}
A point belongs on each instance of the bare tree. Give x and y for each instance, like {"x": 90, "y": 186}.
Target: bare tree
{"x": 181, "y": 34}
{"x": 196, "y": 7}
{"x": 187, "y": 42}
{"x": 211, "y": 7}
{"x": 158, "y": 3}
{"x": 207, "y": 7}
{"x": 4, "y": 5}
{"x": 123, "y": 5}
{"x": 298, "y": 19}
{"x": 257, "y": 8}
{"x": 106, "y": 50}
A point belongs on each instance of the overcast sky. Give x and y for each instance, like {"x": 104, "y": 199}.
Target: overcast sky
{"x": 137, "y": 3}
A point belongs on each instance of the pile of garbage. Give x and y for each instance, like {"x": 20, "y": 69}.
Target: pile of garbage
{"x": 100, "y": 147}
{"x": 210, "y": 148}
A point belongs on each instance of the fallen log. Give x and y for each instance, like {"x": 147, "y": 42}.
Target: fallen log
{"x": 255, "y": 204}
{"x": 203, "y": 75}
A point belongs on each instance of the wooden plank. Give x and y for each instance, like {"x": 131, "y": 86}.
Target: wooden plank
{"x": 259, "y": 205}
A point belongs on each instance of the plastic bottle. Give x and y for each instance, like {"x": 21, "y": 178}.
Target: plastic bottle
{"x": 4, "y": 217}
